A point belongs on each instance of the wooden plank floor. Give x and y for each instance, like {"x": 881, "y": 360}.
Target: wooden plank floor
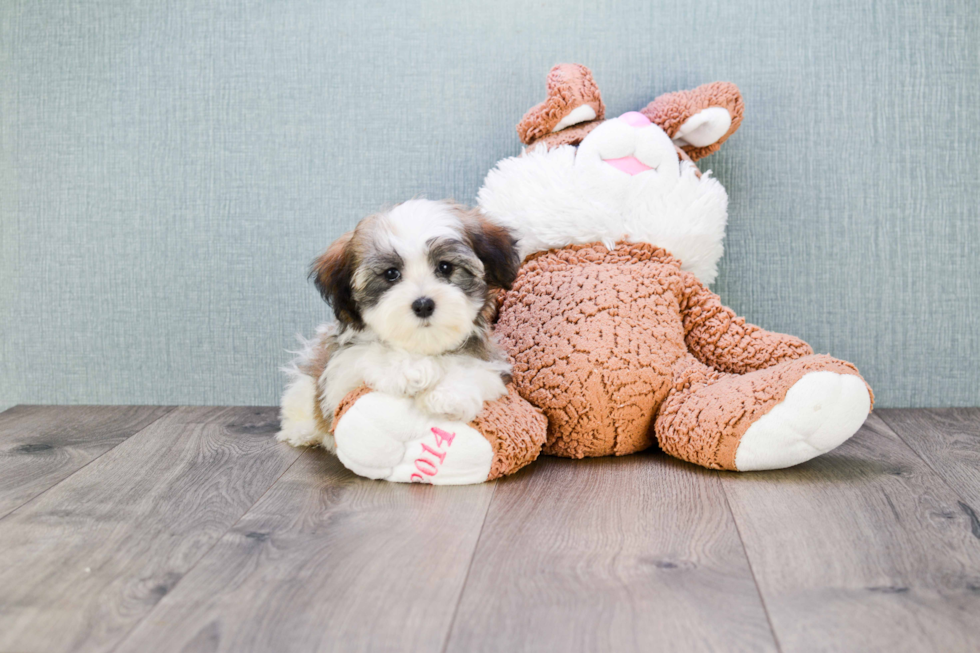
{"x": 190, "y": 529}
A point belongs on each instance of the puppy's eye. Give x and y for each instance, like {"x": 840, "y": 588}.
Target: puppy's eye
{"x": 445, "y": 268}
{"x": 392, "y": 274}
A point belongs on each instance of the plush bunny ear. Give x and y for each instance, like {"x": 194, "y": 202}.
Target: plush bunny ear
{"x": 698, "y": 121}
{"x": 573, "y": 99}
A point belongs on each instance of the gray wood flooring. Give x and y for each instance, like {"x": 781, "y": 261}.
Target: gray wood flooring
{"x": 142, "y": 529}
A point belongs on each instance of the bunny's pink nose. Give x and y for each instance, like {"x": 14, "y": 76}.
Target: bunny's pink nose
{"x": 635, "y": 119}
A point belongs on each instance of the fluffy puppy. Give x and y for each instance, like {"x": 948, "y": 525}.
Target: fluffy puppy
{"x": 413, "y": 290}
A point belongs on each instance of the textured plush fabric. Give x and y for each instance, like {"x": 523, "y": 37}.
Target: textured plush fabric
{"x": 670, "y": 110}
{"x": 569, "y": 136}
{"x": 515, "y": 429}
{"x": 704, "y": 418}
{"x": 569, "y": 87}
{"x": 623, "y": 338}
{"x": 348, "y": 402}
{"x": 168, "y": 170}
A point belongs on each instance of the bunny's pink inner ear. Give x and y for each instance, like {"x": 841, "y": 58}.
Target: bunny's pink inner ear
{"x": 573, "y": 98}
{"x": 700, "y": 120}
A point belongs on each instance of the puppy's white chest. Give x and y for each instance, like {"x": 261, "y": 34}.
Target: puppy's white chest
{"x": 387, "y": 437}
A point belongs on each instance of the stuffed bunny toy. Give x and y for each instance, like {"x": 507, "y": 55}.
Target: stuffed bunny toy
{"x": 617, "y": 344}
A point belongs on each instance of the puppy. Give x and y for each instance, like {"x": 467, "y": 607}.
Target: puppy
{"x": 413, "y": 290}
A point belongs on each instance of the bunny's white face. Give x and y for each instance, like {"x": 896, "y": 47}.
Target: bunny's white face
{"x": 630, "y": 144}
{"x": 624, "y": 181}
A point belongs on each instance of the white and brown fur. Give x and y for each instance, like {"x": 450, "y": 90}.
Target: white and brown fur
{"x": 371, "y": 277}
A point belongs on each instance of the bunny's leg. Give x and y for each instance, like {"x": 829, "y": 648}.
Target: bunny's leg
{"x": 768, "y": 419}
{"x": 386, "y": 437}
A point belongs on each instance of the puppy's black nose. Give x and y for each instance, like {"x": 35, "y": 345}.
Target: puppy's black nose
{"x": 423, "y": 307}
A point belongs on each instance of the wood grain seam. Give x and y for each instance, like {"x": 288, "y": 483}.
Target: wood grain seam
{"x": 963, "y": 502}
{"x": 166, "y": 411}
{"x": 217, "y": 540}
{"x": 469, "y": 568}
{"x": 748, "y": 561}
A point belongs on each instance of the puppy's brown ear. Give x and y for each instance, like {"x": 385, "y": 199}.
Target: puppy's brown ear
{"x": 496, "y": 248}
{"x": 331, "y": 273}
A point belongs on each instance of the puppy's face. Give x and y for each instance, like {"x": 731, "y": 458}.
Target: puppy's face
{"x": 418, "y": 276}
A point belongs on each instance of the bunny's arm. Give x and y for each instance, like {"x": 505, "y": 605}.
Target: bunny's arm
{"x": 718, "y": 337}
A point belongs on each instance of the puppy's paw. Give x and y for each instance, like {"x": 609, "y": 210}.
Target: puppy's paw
{"x": 387, "y": 381}
{"x": 298, "y": 425}
{"x": 407, "y": 378}
{"x": 420, "y": 375}
{"x": 451, "y": 403}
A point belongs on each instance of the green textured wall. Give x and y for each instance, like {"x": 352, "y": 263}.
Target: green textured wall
{"x": 168, "y": 169}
